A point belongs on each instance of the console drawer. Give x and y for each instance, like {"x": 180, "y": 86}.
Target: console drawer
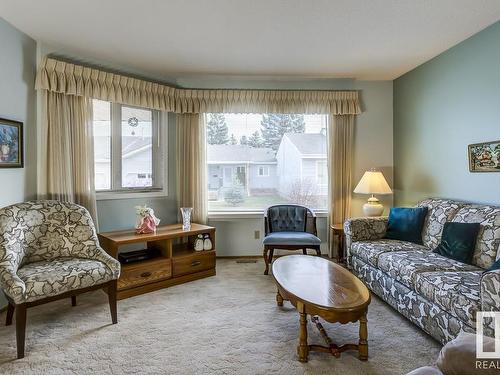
{"x": 199, "y": 261}
{"x": 142, "y": 273}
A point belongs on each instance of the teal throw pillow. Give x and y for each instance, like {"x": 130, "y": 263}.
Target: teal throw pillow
{"x": 405, "y": 224}
{"x": 458, "y": 241}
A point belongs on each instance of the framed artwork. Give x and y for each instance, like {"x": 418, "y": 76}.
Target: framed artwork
{"x": 484, "y": 157}
{"x": 11, "y": 144}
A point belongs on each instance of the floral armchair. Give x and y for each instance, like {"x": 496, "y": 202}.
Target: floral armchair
{"x": 49, "y": 250}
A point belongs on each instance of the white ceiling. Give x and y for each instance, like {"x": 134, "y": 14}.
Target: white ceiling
{"x": 363, "y": 39}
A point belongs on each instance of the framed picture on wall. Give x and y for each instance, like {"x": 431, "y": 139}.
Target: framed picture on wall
{"x": 484, "y": 157}
{"x": 11, "y": 144}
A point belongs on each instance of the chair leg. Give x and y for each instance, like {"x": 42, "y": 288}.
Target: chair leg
{"x": 73, "y": 301}
{"x": 318, "y": 251}
{"x": 112, "y": 300}
{"x": 266, "y": 261}
{"x": 304, "y": 251}
{"x": 20, "y": 329}
{"x": 271, "y": 255}
{"x": 10, "y": 313}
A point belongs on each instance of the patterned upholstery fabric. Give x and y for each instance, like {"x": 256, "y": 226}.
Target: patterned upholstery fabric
{"x": 455, "y": 292}
{"x": 488, "y": 239}
{"x": 365, "y": 228}
{"x": 369, "y": 251}
{"x": 41, "y": 232}
{"x": 427, "y": 315}
{"x": 287, "y": 218}
{"x": 438, "y": 294}
{"x": 490, "y": 293}
{"x": 404, "y": 266}
{"x": 50, "y": 278}
{"x": 440, "y": 211}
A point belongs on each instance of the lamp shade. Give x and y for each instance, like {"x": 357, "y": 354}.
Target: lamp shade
{"x": 373, "y": 182}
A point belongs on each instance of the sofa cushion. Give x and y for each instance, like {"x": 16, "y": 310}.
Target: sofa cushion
{"x": 405, "y": 265}
{"x": 488, "y": 239}
{"x": 439, "y": 212}
{"x": 291, "y": 238}
{"x": 50, "y": 278}
{"x": 369, "y": 251}
{"x": 455, "y": 292}
{"x": 406, "y": 224}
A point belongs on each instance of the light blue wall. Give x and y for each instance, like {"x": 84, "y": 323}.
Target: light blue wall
{"x": 17, "y": 102}
{"x": 439, "y": 108}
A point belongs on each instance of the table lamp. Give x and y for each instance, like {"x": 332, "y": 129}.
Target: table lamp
{"x": 373, "y": 182}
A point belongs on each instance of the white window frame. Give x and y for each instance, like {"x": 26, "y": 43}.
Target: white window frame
{"x": 265, "y": 169}
{"x": 160, "y": 160}
{"x": 318, "y": 168}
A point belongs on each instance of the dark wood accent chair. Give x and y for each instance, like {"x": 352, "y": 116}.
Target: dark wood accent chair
{"x": 49, "y": 251}
{"x": 289, "y": 227}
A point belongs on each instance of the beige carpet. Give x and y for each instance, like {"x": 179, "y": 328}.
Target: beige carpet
{"x": 227, "y": 324}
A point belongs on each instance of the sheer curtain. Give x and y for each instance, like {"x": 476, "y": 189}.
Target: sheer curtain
{"x": 340, "y": 164}
{"x": 191, "y": 165}
{"x": 67, "y": 150}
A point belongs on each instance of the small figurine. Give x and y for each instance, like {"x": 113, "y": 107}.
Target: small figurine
{"x": 146, "y": 220}
{"x": 198, "y": 243}
{"x": 207, "y": 242}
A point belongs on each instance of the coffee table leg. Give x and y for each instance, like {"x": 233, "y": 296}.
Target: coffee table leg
{"x": 363, "y": 338}
{"x": 303, "y": 348}
{"x": 279, "y": 299}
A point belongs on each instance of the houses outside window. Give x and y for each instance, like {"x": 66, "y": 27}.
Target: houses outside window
{"x": 257, "y": 160}
{"x": 129, "y": 150}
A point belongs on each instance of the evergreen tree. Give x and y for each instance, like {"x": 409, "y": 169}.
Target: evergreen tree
{"x": 217, "y": 130}
{"x": 243, "y": 140}
{"x": 232, "y": 140}
{"x": 275, "y": 125}
{"x": 255, "y": 140}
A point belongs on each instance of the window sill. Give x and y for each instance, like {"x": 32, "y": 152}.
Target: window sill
{"x": 113, "y": 195}
{"x": 234, "y": 215}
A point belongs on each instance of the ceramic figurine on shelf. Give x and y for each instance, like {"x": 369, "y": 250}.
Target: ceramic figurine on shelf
{"x": 146, "y": 221}
{"x": 207, "y": 242}
{"x": 198, "y": 243}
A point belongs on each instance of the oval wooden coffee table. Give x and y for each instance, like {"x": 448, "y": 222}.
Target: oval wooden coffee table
{"x": 319, "y": 287}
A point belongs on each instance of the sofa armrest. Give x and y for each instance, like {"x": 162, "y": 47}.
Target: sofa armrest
{"x": 365, "y": 228}
{"x": 490, "y": 291}
{"x": 490, "y": 297}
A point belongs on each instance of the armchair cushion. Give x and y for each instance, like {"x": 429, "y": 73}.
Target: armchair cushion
{"x": 292, "y": 239}
{"x": 50, "y": 278}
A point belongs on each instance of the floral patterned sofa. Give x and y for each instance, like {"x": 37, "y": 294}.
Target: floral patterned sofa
{"x": 438, "y": 294}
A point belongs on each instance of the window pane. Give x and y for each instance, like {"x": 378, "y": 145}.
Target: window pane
{"x": 137, "y": 150}
{"x": 102, "y": 144}
{"x": 256, "y": 160}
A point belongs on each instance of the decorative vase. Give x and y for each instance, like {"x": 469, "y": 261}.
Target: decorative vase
{"x": 186, "y": 217}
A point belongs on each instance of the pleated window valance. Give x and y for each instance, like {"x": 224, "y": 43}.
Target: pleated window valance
{"x": 73, "y": 79}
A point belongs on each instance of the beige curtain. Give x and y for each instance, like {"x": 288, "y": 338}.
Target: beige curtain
{"x": 78, "y": 80}
{"x": 191, "y": 165}
{"x": 67, "y": 165}
{"x": 340, "y": 164}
